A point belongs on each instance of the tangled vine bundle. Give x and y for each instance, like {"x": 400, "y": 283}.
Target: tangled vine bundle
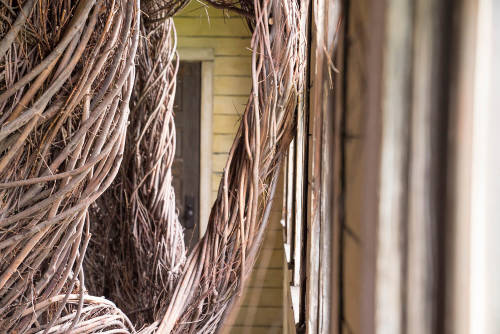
{"x": 76, "y": 103}
{"x": 138, "y": 250}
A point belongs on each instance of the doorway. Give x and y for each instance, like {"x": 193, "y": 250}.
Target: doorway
{"x": 186, "y": 166}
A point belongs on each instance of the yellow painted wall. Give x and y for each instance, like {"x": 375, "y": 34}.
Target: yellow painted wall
{"x": 228, "y": 35}
{"x": 260, "y": 308}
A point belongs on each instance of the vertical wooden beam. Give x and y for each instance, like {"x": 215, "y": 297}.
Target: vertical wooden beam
{"x": 301, "y": 165}
{"x": 459, "y": 171}
{"x": 426, "y": 167}
{"x": 299, "y": 192}
{"x": 389, "y": 316}
{"x": 371, "y": 150}
{"x": 312, "y": 295}
{"x": 323, "y": 223}
{"x": 289, "y": 203}
{"x": 286, "y": 306}
{"x": 485, "y": 174}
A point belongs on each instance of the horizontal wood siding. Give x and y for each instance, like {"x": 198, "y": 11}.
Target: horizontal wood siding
{"x": 260, "y": 308}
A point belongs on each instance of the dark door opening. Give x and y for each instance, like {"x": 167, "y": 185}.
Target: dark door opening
{"x": 186, "y": 167}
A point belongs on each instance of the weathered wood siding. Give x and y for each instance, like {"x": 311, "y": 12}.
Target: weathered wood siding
{"x": 355, "y": 118}
{"x": 260, "y": 307}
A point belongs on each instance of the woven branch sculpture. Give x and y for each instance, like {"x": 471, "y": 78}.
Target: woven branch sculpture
{"x": 75, "y": 101}
{"x": 138, "y": 250}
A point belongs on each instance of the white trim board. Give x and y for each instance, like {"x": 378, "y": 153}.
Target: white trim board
{"x": 196, "y": 54}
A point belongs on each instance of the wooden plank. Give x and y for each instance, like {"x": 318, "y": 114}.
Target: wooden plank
{"x": 284, "y": 290}
{"x": 289, "y": 195}
{"x": 273, "y": 239}
{"x": 278, "y": 198}
{"x": 199, "y": 27}
{"x": 324, "y": 218}
{"x": 232, "y": 85}
{"x": 373, "y": 37}
{"x": 276, "y": 216}
{"x": 233, "y": 66}
{"x": 216, "y": 177}
{"x": 212, "y": 199}
{"x": 259, "y": 316}
{"x": 313, "y": 222}
{"x": 356, "y": 72}
{"x": 275, "y": 219}
{"x": 265, "y": 277}
{"x": 357, "y": 282}
{"x": 288, "y": 317}
{"x": 219, "y": 161}
{"x": 393, "y": 185}
{"x": 263, "y": 296}
{"x": 352, "y": 283}
{"x": 312, "y": 253}
{"x": 299, "y": 166}
{"x": 459, "y": 154}
{"x": 354, "y": 179}
{"x": 295, "y": 302}
{"x": 298, "y": 246}
{"x": 269, "y": 258}
{"x": 485, "y": 174}
{"x": 222, "y": 45}
{"x": 427, "y": 168}
{"x": 222, "y": 143}
{"x": 226, "y": 124}
{"x": 196, "y": 54}
{"x": 347, "y": 328}
{"x": 230, "y": 105}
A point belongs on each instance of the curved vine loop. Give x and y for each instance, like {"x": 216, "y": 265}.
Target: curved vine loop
{"x": 66, "y": 77}
{"x": 139, "y": 251}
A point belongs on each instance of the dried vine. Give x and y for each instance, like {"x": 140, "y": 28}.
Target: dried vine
{"x": 66, "y": 82}
{"x": 67, "y": 73}
{"x": 139, "y": 252}
{"x": 216, "y": 270}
